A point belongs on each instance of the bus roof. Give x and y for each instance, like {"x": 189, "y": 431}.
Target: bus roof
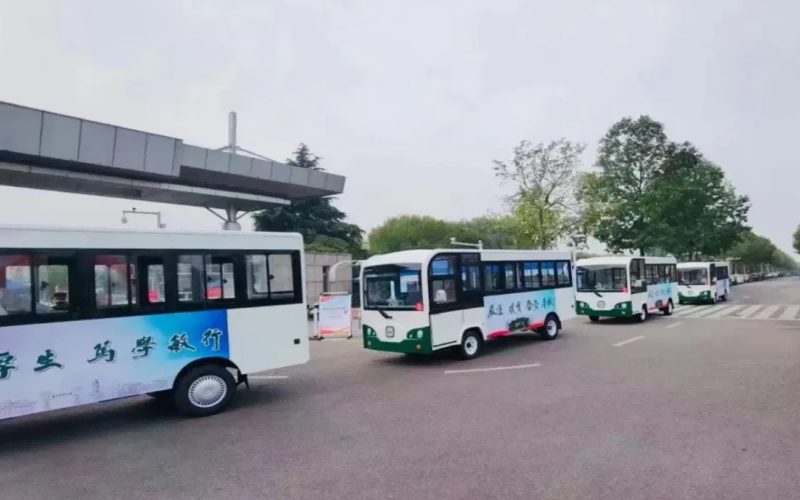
{"x": 32, "y": 237}
{"x": 693, "y": 265}
{"x": 423, "y": 256}
{"x": 622, "y": 260}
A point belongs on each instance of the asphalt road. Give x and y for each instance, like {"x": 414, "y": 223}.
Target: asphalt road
{"x": 672, "y": 408}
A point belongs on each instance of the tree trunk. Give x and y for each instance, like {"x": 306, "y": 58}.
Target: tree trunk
{"x": 641, "y": 252}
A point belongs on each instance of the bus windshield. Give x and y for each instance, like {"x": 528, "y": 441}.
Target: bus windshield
{"x": 697, "y": 276}
{"x": 602, "y": 279}
{"x": 394, "y": 286}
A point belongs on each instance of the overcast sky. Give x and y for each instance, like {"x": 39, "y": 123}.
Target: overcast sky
{"x": 412, "y": 99}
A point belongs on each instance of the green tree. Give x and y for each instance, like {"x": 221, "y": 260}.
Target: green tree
{"x": 322, "y": 225}
{"x": 408, "y": 232}
{"x": 695, "y": 211}
{"x": 753, "y": 250}
{"x": 545, "y": 204}
{"x": 796, "y": 239}
{"x": 630, "y": 161}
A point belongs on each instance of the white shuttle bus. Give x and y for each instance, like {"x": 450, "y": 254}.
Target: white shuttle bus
{"x": 625, "y": 287}
{"x": 90, "y": 315}
{"x": 703, "y": 282}
{"x": 421, "y": 301}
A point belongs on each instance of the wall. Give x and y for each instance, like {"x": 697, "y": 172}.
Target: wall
{"x": 315, "y": 264}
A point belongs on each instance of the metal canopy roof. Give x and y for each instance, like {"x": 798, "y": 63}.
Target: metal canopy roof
{"x": 43, "y": 150}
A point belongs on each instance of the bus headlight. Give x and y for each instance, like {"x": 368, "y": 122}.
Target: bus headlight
{"x": 419, "y": 334}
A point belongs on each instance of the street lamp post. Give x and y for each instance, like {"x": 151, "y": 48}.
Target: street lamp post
{"x": 133, "y": 211}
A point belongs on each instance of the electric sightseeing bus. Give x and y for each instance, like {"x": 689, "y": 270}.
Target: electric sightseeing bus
{"x": 421, "y": 301}
{"x": 90, "y": 315}
{"x": 625, "y": 286}
{"x": 703, "y": 282}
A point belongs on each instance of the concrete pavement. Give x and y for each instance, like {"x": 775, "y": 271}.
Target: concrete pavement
{"x": 671, "y": 408}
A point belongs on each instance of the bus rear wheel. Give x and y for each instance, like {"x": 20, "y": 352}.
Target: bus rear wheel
{"x": 594, "y": 319}
{"x": 204, "y": 391}
{"x": 642, "y": 316}
{"x": 471, "y": 345}
{"x": 551, "y": 328}
{"x": 669, "y": 308}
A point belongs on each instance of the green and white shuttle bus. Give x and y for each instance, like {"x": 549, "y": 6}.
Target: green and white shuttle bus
{"x": 421, "y": 301}
{"x": 625, "y": 286}
{"x": 703, "y": 282}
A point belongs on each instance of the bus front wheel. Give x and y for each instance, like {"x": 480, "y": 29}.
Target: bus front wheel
{"x": 205, "y": 390}
{"x": 471, "y": 344}
{"x": 642, "y": 314}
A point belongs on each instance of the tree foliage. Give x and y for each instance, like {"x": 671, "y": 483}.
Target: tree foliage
{"x": 545, "y": 204}
{"x": 322, "y": 225}
{"x": 651, "y": 194}
{"x": 696, "y": 211}
{"x": 796, "y": 239}
{"x": 408, "y": 232}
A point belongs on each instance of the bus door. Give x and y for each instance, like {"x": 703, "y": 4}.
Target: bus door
{"x": 638, "y": 284}
{"x": 448, "y": 297}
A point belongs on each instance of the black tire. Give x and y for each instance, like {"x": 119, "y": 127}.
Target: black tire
{"x": 551, "y": 328}
{"x": 213, "y": 374}
{"x": 471, "y": 345}
{"x": 642, "y": 316}
{"x": 669, "y": 308}
{"x": 594, "y": 319}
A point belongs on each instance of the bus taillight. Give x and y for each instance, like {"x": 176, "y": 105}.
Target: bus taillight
{"x": 624, "y": 289}
{"x": 419, "y": 306}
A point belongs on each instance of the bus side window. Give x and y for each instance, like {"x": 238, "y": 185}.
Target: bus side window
{"x": 150, "y": 288}
{"x": 548, "y": 274}
{"x": 219, "y": 278}
{"x": 470, "y": 273}
{"x": 530, "y": 273}
{"x": 443, "y": 280}
{"x": 191, "y": 278}
{"x": 281, "y": 275}
{"x": 52, "y": 287}
{"x": 15, "y": 285}
{"x": 491, "y": 277}
{"x": 563, "y": 274}
{"x": 111, "y": 281}
{"x": 510, "y": 274}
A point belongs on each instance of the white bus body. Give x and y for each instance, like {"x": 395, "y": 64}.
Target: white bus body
{"x": 625, "y": 286}
{"x": 421, "y": 301}
{"x": 703, "y": 282}
{"x": 89, "y": 315}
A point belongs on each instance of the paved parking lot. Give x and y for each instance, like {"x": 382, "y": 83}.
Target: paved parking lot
{"x": 672, "y": 408}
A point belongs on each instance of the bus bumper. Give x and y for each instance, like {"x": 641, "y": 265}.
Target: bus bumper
{"x": 621, "y": 310}
{"x": 416, "y": 341}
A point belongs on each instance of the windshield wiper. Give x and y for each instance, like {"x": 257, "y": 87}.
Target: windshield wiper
{"x": 597, "y": 293}
{"x": 383, "y": 313}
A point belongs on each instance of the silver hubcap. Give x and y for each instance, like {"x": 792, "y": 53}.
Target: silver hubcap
{"x": 207, "y": 391}
{"x": 552, "y": 328}
{"x": 471, "y": 345}
{"x": 643, "y": 315}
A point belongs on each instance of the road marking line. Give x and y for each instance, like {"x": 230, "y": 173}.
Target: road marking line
{"x": 634, "y": 339}
{"x": 720, "y": 311}
{"x": 745, "y": 296}
{"x": 790, "y": 312}
{"x": 673, "y": 325}
{"x": 766, "y": 313}
{"x": 493, "y": 369}
{"x": 747, "y": 311}
{"x": 267, "y": 377}
{"x": 691, "y": 311}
